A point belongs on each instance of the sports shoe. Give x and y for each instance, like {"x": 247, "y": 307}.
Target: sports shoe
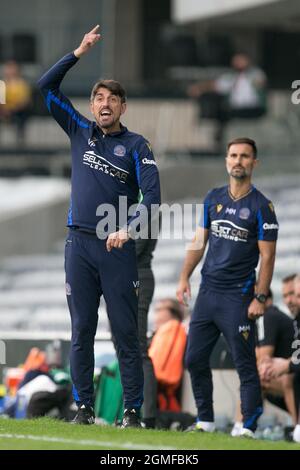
{"x": 237, "y": 429}
{"x": 131, "y": 419}
{"x": 85, "y": 415}
{"x": 245, "y": 432}
{"x": 296, "y": 433}
{"x": 201, "y": 426}
{"x": 148, "y": 423}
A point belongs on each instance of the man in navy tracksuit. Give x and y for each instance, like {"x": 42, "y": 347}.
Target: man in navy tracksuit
{"x": 241, "y": 226}
{"x": 108, "y": 162}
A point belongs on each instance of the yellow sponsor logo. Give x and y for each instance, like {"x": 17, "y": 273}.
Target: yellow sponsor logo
{"x": 245, "y": 334}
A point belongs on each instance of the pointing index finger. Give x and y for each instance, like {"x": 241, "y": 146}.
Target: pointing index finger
{"x": 95, "y": 29}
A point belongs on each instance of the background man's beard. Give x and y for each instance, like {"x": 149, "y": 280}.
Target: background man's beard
{"x": 238, "y": 176}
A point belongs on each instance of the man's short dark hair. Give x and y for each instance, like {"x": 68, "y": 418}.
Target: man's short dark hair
{"x": 244, "y": 140}
{"x": 289, "y": 278}
{"x": 113, "y": 86}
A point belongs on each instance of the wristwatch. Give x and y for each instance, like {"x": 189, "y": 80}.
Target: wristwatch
{"x": 261, "y": 298}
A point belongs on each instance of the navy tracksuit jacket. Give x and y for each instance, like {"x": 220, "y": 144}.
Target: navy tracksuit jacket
{"x": 104, "y": 167}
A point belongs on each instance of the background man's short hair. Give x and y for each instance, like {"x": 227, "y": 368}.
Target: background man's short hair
{"x": 244, "y": 140}
{"x": 113, "y": 86}
{"x": 289, "y": 278}
{"x": 175, "y": 308}
{"x": 297, "y": 278}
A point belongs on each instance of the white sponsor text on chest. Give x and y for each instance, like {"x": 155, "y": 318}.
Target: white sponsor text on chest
{"x": 97, "y": 162}
{"x": 228, "y": 230}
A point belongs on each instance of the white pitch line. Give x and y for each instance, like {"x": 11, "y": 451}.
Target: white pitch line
{"x": 125, "y": 445}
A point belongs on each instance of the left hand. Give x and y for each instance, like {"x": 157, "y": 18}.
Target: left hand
{"x": 279, "y": 366}
{"x": 256, "y": 309}
{"x": 117, "y": 239}
{"x": 264, "y": 368}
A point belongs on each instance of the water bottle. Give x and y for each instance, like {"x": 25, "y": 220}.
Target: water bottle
{"x": 267, "y": 433}
{"x": 278, "y": 433}
{"x": 54, "y": 353}
{"x": 21, "y": 406}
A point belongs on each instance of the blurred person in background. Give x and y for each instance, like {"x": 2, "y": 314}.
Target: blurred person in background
{"x": 275, "y": 338}
{"x": 279, "y": 367}
{"x": 241, "y": 227}
{"x": 18, "y": 99}
{"x": 238, "y": 94}
{"x": 144, "y": 251}
{"x": 44, "y": 388}
{"x": 145, "y": 247}
{"x": 275, "y": 335}
{"x": 288, "y": 294}
{"x": 167, "y": 350}
{"x": 108, "y": 161}
{"x": 291, "y": 296}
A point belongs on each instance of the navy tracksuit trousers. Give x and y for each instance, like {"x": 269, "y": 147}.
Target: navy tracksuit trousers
{"x": 226, "y": 313}
{"x": 90, "y": 272}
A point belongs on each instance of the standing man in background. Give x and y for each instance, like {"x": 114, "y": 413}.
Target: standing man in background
{"x": 108, "y": 162}
{"x": 144, "y": 252}
{"x": 241, "y": 226}
{"x": 16, "y": 111}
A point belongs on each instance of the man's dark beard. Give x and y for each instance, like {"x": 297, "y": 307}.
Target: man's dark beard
{"x": 106, "y": 126}
{"x": 239, "y": 177}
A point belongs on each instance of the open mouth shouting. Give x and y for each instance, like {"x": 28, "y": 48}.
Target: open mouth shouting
{"x": 105, "y": 113}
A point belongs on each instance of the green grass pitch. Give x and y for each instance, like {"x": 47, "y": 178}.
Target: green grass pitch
{"x": 45, "y": 433}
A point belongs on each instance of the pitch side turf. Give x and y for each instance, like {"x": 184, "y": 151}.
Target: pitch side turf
{"x": 47, "y": 434}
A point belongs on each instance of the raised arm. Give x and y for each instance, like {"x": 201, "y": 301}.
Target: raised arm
{"x": 57, "y": 103}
